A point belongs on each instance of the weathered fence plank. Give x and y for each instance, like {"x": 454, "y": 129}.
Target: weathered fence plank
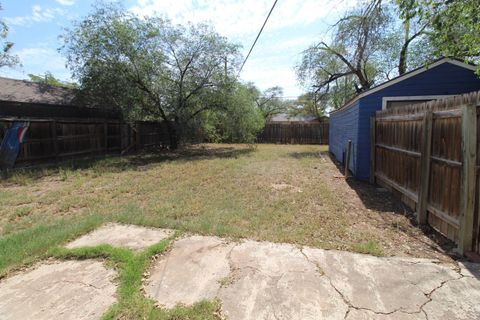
{"x": 294, "y": 133}
{"x": 425, "y": 168}
{"x": 57, "y": 139}
{"x": 469, "y": 151}
{"x": 428, "y": 154}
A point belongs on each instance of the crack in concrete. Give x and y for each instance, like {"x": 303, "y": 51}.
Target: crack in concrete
{"x": 78, "y": 282}
{"x": 429, "y": 295}
{"x": 237, "y": 271}
{"x": 318, "y": 268}
{"x": 231, "y": 267}
{"x": 351, "y": 306}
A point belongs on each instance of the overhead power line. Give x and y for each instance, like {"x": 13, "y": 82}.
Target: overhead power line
{"x": 258, "y": 36}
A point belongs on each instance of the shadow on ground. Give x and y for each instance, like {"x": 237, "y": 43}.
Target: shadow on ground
{"x": 139, "y": 161}
{"x": 381, "y": 200}
{"x": 302, "y": 155}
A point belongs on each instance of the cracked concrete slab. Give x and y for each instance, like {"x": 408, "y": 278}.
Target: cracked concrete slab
{"x": 382, "y": 285}
{"x": 120, "y": 235}
{"x": 60, "y": 290}
{"x": 455, "y": 299}
{"x": 275, "y": 281}
{"x": 260, "y": 280}
{"x": 190, "y": 272}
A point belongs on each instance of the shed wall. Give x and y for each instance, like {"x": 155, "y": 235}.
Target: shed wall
{"x": 344, "y": 127}
{"x": 445, "y": 79}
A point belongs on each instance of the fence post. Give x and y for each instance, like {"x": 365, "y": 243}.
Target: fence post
{"x": 425, "y": 161}
{"x": 105, "y": 136}
{"x": 347, "y": 160}
{"x": 469, "y": 151}
{"x": 138, "y": 135}
{"x": 373, "y": 144}
{"x": 53, "y": 125}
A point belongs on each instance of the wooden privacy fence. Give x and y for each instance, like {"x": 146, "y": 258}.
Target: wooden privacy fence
{"x": 427, "y": 154}
{"x": 294, "y": 133}
{"x": 59, "y": 139}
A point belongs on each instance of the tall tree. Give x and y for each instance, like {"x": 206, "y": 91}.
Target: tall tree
{"x": 369, "y": 45}
{"x": 454, "y": 25}
{"x": 6, "y": 58}
{"x": 357, "y": 40}
{"x": 149, "y": 67}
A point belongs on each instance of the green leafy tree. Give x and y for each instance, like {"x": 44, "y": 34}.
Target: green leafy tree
{"x": 454, "y": 26}
{"x": 352, "y": 53}
{"x": 369, "y": 45}
{"x": 149, "y": 67}
{"x": 49, "y": 79}
{"x": 6, "y": 58}
{"x": 240, "y": 120}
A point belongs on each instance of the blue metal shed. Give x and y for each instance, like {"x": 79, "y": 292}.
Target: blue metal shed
{"x": 445, "y": 77}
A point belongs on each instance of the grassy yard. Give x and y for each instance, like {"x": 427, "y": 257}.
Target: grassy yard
{"x": 277, "y": 193}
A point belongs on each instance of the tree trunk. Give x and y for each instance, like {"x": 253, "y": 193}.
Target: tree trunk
{"x": 172, "y": 134}
{"x": 402, "y": 63}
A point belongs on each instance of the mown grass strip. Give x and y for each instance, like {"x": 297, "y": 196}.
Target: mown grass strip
{"x": 30, "y": 245}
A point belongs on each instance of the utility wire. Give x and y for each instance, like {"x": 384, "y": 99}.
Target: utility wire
{"x": 258, "y": 36}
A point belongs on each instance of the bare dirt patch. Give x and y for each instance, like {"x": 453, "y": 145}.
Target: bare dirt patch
{"x": 285, "y": 186}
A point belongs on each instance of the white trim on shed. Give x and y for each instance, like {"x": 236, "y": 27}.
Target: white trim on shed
{"x": 385, "y": 100}
{"x": 405, "y": 77}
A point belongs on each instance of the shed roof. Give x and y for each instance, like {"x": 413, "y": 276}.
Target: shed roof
{"x": 405, "y": 77}
{"x": 31, "y": 92}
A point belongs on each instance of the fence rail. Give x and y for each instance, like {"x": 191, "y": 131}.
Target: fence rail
{"x": 427, "y": 154}
{"x": 293, "y": 133}
{"x": 58, "y": 139}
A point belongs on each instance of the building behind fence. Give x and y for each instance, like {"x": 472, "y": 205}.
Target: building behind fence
{"x": 427, "y": 154}
{"x": 62, "y": 126}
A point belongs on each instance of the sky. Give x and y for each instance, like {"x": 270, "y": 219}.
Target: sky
{"x": 35, "y": 26}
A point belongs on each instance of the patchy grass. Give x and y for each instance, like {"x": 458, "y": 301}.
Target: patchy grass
{"x": 369, "y": 247}
{"x": 222, "y": 190}
{"x": 32, "y": 244}
{"x": 132, "y": 304}
{"x": 279, "y": 193}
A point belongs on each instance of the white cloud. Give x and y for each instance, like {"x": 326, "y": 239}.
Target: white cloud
{"x": 237, "y": 18}
{"x": 272, "y": 71}
{"x": 65, "y": 2}
{"x": 38, "y": 60}
{"x": 38, "y": 14}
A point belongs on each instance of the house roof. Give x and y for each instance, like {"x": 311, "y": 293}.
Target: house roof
{"x": 31, "y": 92}
{"x": 285, "y": 117}
{"x": 405, "y": 77}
